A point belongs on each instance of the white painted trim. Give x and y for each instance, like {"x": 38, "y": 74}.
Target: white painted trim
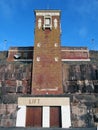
{"x": 46, "y": 117}
{"x": 75, "y": 60}
{"x": 47, "y": 13}
{"x": 20, "y": 50}
{"x": 47, "y": 89}
{"x": 23, "y": 60}
{"x": 66, "y": 117}
{"x": 21, "y": 116}
{"x": 78, "y": 50}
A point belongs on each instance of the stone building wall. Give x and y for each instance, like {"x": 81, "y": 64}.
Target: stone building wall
{"x": 3, "y": 55}
{"x": 8, "y": 115}
{"x": 15, "y": 80}
{"x": 80, "y": 78}
{"x": 83, "y": 110}
{"x": 80, "y": 83}
{"x": 15, "y": 77}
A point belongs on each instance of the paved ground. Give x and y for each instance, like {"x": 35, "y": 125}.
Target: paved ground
{"x": 13, "y": 128}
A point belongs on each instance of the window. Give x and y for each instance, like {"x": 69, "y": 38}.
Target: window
{"x": 47, "y": 22}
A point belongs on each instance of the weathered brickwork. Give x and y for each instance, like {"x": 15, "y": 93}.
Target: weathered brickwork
{"x": 26, "y": 53}
{"x": 20, "y": 53}
{"x": 73, "y": 53}
{"x": 47, "y": 74}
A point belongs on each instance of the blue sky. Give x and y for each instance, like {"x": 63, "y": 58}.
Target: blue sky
{"x": 79, "y": 22}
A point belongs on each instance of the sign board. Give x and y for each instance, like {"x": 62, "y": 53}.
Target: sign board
{"x": 43, "y": 101}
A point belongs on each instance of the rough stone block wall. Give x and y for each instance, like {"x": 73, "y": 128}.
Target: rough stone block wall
{"x": 8, "y": 115}
{"x": 80, "y": 78}
{"x": 94, "y": 56}
{"x": 82, "y": 110}
{"x": 15, "y": 77}
{"x": 3, "y": 55}
{"x": 80, "y": 82}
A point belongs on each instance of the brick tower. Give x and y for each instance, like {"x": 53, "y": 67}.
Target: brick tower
{"x": 47, "y": 67}
{"x": 42, "y": 110}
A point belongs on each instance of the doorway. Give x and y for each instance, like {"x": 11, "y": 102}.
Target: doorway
{"x": 34, "y": 116}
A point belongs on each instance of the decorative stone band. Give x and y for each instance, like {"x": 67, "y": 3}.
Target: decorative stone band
{"x": 75, "y": 50}
{"x": 47, "y": 13}
{"x": 20, "y": 50}
{"x": 43, "y": 101}
{"x": 48, "y": 89}
{"x": 24, "y": 60}
{"x": 76, "y": 59}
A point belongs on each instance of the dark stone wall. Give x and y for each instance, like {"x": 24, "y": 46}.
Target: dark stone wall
{"x": 94, "y": 56}
{"x": 15, "y": 80}
{"x": 8, "y": 115}
{"x": 3, "y": 55}
{"x": 15, "y": 77}
{"x": 80, "y": 78}
{"x": 80, "y": 83}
